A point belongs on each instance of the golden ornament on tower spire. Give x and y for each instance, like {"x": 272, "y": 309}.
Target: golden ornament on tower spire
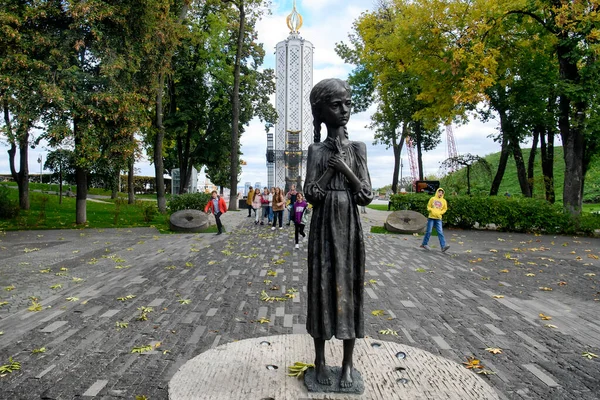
{"x": 294, "y": 20}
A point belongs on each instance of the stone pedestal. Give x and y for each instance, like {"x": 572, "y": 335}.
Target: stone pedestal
{"x": 257, "y": 369}
{"x": 310, "y": 380}
{"x": 188, "y": 221}
{"x": 406, "y": 221}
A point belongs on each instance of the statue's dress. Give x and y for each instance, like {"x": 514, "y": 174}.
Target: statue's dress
{"x": 336, "y": 249}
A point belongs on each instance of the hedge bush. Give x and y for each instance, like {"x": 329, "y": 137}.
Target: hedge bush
{"x": 189, "y": 201}
{"x": 507, "y": 214}
{"x": 8, "y": 208}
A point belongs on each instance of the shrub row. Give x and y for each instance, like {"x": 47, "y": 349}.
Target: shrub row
{"x": 189, "y": 201}
{"x": 8, "y": 208}
{"x": 507, "y": 214}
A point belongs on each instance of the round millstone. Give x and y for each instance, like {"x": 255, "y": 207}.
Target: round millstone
{"x": 188, "y": 221}
{"x": 239, "y": 370}
{"x": 406, "y": 221}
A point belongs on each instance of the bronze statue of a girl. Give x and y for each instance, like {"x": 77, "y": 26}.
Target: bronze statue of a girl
{"x": 337, "y": 182}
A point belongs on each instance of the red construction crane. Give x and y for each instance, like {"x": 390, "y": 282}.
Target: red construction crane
{"x": 412, "y": 159}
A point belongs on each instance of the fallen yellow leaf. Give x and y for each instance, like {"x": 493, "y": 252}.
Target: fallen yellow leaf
{"x": 473, "y": 363}
{"x": 494, "y": 350}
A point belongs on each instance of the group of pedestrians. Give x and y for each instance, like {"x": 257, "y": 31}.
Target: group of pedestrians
{"x": 270, "y": 205}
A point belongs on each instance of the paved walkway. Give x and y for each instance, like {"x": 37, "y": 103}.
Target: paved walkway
{"x": 95, "y": 289}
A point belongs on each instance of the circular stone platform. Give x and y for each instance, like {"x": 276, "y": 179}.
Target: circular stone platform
{"x": 188, "y": 221}
{"x": 256, "y": 369}
{"x": 406, "y": 221}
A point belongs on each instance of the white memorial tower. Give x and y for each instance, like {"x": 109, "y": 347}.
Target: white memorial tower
{"x": 287, "y": 148}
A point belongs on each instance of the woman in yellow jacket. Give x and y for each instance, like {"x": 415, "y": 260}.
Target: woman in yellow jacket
{"x": 437, "y": 206}
{"x": 249, "y": 200}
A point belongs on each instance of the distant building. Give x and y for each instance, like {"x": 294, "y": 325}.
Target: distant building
{"x": 247, "y": 188}
{"x": 287, "y": 149}
{"x": 192, "y": 185}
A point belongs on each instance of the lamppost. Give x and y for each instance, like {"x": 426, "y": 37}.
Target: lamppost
{"x": 40, "y": 159}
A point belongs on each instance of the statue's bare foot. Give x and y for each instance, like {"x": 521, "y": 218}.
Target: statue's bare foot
{"x": 322, "y": 374}
{"x": 346, "y": 380}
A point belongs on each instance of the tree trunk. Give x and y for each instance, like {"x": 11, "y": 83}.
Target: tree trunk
{"x": 547, "y": 151}
{"x": 504, "y": 152}
{"x": 23, "y": 181}
{"x": 419, "y": 151}
{"x": 235, "y": 101}
{"x": 114, "y": 183}
{"x": 397, "y": 148}
{"x": 130, "y": 179}
{"x": 159, "y": 167}
{"x": 468, "y": 179}
{"x": 571, "y": 133}
{"x": 80, "y": 180}
{"x": 531, "y": 161}
{"x": 521, "y": 170}
{"x": 21, "y": 177}
{"x": 158, "y": 147}
{"x": 573, "y": 156}
{"x": 185, "y": 159}
{"x": 81, "y": 199}
{"x": 60, "y": 185}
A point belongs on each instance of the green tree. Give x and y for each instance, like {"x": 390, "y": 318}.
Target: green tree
{"x": 469, "y": 161}
{"x": 378, "y": 79}
{"x": 26, "y": 44}
{"x": 574, "y": 28}
{"x": 60, "y": 161}
{"x": 95, "y": 63}
{"x": 198, "y": 122}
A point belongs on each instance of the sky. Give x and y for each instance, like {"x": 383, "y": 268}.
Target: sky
{"x": 326, "y": 22}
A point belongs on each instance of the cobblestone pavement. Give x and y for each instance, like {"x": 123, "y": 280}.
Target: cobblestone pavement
{"x": 104, "y": 294}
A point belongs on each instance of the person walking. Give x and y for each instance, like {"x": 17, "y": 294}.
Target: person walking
{"x": 300, "y": 217}
{"x": 256, "y": 204}
{"x": 271, "y": 205}
{"x": 436, "y": 206}
{"x": 291, "y": 197}
{"x": 218, "y": 207}
{"x": 266, "y": 200}
{"x": 249, "y": 199}
{"x": 278, "y": 206}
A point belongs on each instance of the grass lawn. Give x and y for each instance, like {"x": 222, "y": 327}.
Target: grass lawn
{"x": 47, "y": 213}
{"x": 380, "y": 207}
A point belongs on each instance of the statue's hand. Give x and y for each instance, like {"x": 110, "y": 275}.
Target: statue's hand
{"x": 337, "y": 162}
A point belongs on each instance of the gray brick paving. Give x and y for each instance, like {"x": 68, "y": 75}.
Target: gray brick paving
{"x": 450, "y": 310}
